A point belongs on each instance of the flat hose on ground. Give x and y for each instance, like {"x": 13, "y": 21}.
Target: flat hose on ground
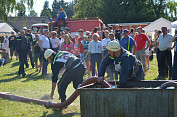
{"x": 168, "y": 84}
{"x": 54, "y": 104}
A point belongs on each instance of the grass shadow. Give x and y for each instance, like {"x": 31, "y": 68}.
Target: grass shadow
{"x": 15, "y": 64}
{"x": 58, "y": 113}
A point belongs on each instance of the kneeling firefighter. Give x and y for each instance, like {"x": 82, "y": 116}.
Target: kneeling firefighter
{"x": 74, "y": 71}
{"x": 129, "y": 67}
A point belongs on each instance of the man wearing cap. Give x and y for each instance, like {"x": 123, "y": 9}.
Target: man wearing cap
{"x": 129, "y": 67}
{"x": 44, "y": 44}
{"x": 127, "y": 42}
{"x": 74, "y": 71}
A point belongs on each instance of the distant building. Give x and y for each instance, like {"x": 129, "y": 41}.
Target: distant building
{"x": 19, "y": 22}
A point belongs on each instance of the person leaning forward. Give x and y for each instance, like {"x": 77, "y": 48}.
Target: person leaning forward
{"x": 75, "y": 71}
{"x": 129, "y": 67}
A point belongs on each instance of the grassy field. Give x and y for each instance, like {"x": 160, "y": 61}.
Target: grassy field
{"x": 34, "y": 85}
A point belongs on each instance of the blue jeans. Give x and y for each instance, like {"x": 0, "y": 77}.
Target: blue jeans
{"x": 95, "y": 58}
{"x": 45, "y": 63}
{"x": 174, "y": 70}
{"x": 22, "y": 58}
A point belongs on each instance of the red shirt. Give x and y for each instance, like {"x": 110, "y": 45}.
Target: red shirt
{"x": 140, "y": 41}
{"x": 81, "y": 46}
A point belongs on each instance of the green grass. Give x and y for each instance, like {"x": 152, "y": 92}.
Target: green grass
{"x": 34, "y": 85}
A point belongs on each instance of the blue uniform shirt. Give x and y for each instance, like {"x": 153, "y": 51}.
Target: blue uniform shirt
{"x": 62, "y": 15}
{"x": 124, "y": 42}
{"x": 128, "y": 64}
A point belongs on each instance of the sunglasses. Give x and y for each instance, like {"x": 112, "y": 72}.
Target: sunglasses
{"x": 53, "y": 34}
{"x": 89, "y": 37}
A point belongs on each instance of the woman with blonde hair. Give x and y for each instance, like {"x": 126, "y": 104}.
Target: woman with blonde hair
{"x": 67, "y": 45}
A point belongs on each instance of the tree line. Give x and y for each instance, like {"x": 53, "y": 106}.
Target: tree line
{"x": 110, "y": 11}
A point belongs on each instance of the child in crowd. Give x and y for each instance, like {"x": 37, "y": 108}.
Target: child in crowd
{"x": 76, "y": 42}
{"x": 4, "y": 57}
{"x": 36, "y": 53}
{"x": 86, "y": 56}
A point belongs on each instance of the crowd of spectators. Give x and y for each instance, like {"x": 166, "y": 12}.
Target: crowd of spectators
{"x": 91, "y": 48}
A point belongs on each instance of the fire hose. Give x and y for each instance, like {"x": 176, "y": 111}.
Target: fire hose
{"x": 104, "y": 84}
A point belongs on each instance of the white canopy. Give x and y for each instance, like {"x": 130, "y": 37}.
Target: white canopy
{"x": 158, "y": 24}
{"x": 5, "y": 28}
{"x": 174, "y": 24}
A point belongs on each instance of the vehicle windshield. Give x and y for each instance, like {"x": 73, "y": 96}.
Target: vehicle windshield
{"x": 36, "y": 30}
{"x": 44, "y": 28}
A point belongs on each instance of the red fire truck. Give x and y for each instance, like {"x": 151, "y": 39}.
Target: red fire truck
{"x": 87, "y": 24}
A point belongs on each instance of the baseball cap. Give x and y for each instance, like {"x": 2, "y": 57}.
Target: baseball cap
{"x": 113, "y": 46}
{"x": 125, "y": 31}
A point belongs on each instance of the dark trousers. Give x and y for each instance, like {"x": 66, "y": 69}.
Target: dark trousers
{"x": 165, "y": 57}
{"x": 58, "y": 19}
{"x": 95, "y": 58}
{"x": 22, "y": 58}
{"x": 174, "y": 70}
{"x": 72, "y": 74}
{"x": 31, "y": 59}
{"x": 45, "y": 62}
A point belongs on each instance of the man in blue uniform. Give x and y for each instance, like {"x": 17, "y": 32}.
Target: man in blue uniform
{"x": 128, "y": 42}
{"x": 22, "y": 47}
{"x": 74, "y": 71}
{"x": 29, "y": 39}
{"x": 129, "y": 67}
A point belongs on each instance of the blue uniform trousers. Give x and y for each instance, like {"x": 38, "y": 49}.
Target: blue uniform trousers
{"x": 22, "y": 58}
{"x": 174, "y": 70}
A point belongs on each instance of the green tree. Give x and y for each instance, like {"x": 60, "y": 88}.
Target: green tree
{"x": 55, "y": 8}
{"x": 69, "y": 9}
{"x": 22, "y": 10}
{"x": 32, "y": 13}
{"x": 9, "y": 6}
{"x": 46, "y": 10}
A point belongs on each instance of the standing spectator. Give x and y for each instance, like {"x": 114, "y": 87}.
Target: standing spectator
{"x": 6, "y": 44}
{"x": 81, "y": 33}
{"x": 55, "y": 42}
{"x": 62, "y": 16}
{"x": 132, "y": 33}
{"x": 76, "y": 44}
{"x": 29, "y": 40}
{"x": 156, "y": 44}
{"x": 87, "y": 33}
{"x": 105, "y": 42}
{"x": 174, "y": 70}
{"x": 22, "y": 47}
{"x": 127, "y": 42}
{"x": 36, "y": 52}
{"x": 95, "y": 50}
{"x": 110, "y": 29}
{"x": 44, "y": 44}
{"x": 95, "y": 30}
{"x": 140, "y": 40}
{"x": 117, "y": 32}
{"x": 67, "y": 45}
{"x": 165, "y": 47}
{"x": 62, "y": 38}
{"x": 12, "y": 42}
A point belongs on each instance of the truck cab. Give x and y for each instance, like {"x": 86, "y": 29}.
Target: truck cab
{"x": 39, "y": 28}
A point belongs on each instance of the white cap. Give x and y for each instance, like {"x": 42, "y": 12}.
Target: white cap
{"x": 113, "y": 46}
{"x": 48, "y": 53}
{"x": 24, "y": 28}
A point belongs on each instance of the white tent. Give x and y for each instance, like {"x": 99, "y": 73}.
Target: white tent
{"x": 174, "y": 24}
{"x": 5, "y": 28}
{"x": 158, "y": 24}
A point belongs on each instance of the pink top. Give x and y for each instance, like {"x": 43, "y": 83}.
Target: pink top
{"x": 66, "y": 47}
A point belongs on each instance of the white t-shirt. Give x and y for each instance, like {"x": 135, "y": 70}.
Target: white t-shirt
{"x": 55, "y": 42}
{"x": 45, "y": 41}
{"x": 6, "y": 43}
{"x": 105, "y": 42}
{"x": 165, "y": 42}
